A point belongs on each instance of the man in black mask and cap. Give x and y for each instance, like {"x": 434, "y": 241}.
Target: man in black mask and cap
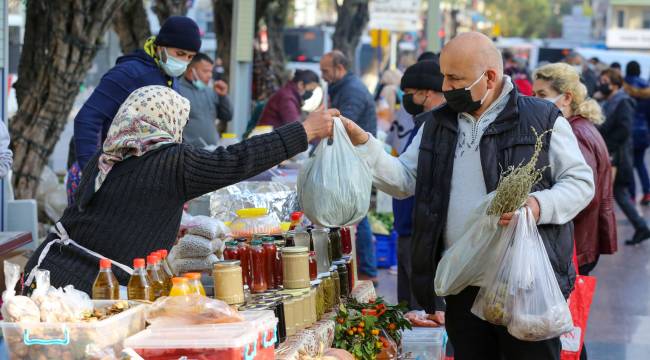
{"x": 422, "y": 86}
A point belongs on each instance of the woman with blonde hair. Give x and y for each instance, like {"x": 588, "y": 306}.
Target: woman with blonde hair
{"x": 595, "y": 226}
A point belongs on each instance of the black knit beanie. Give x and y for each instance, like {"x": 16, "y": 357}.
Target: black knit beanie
{"x": 179, "y": 32}
{"x": 423, "y": 75}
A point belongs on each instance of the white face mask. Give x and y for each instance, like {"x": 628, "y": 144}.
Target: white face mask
{"x": 553, "y": 100}
{"x": 173, "y": 66}
{"x": 578, "y": 69}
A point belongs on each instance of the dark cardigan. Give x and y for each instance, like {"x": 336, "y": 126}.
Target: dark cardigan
{"x": 138, "y": 208}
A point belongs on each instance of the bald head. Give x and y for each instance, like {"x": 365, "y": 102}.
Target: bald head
{"x": 476, "y": 51}
{"x": 471, "y": 60}
{"x": 334, "y": 65}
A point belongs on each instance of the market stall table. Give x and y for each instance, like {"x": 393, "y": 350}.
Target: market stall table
{"x": 310, "y": 339}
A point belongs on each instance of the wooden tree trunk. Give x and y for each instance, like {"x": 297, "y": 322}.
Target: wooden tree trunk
{"x": 275, "y": 18}
{"x": 131, "y": 25}
{"x": 61, "y": 40}
{"x": 166, "y": 8}
{"x": 350, "y": 23}
{"x": 223, "y": 13}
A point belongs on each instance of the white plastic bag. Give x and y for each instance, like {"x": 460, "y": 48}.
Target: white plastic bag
{"x": 17, "y": 308}
{"x": 464, "y": 263}
{"x": 534, "y": 308}
{"x": 539, "y": 311}
{"x": 334, "y": 186}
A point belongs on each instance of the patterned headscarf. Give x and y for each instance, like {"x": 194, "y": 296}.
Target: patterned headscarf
{"x": 152, "y": 116}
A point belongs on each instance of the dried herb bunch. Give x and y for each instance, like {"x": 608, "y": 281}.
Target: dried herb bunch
{"x": 516, "y": 182}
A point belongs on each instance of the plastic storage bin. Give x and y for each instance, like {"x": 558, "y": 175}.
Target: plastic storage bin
{"x": 255, "y": 221}
{"x": 386, "y": 250}
{"x": 424, "y": 343}
{"x": 252, "y": 339}
{"x": 86, "y": 340}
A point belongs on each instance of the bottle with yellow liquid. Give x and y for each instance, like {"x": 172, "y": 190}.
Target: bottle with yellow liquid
{"x": 157, "y": 282}
{"x": 180, "y": 287}
{"x": 194, "y": 280}
{"x": 106, "y": 286}
{"x": 139, "y": 287}
{"x": 167, "y": 279}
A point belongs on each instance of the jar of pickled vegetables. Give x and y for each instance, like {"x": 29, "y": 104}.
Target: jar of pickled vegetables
{"x": 343, "y": 278}
{"x": 337, "y": 284}
{"x": 319, "y": 299}
{"x": 328, "y": 291}
{"x": 335, "y": 241}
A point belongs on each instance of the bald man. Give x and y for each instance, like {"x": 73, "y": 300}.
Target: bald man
{"x": 456, "y": 159}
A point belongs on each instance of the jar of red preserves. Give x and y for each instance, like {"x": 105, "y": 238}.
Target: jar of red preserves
{"x": 258, "y": 268}
{"x": 244, "y": 252}
{"x": 270, "y": 251}
{"x": 313, "y": 266}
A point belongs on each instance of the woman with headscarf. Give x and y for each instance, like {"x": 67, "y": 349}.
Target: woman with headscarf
{"x": 131, "y": 196}
{"x": 162, "y": 59}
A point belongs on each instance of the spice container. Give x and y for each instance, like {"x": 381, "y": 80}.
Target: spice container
{"x": 270, "y": 254}
{"x": 343, "y": 278}
{"x": 295, "y": 267}
{"x": 258, "y": 267}
{"x": 254, "y": 221}
{"x": 321, "y": 246}
{"x": 228, "y": 282}
{"x": 335, "y": 243}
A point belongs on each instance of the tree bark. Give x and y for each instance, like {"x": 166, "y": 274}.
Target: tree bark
{"x": 166, "y": 8}
{"x": 223, "y": 13}
{"x": 131, "y": 25}
{"x": 350, "y": 23}
{"x": 62, "y": 38}
{"x": 275, "y": 18}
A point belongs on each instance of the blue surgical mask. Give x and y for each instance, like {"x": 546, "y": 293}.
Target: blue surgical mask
{"x": 197, "y": 82}
{"x": 173, "y": 67}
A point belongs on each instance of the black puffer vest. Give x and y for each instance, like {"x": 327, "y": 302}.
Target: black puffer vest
{"x": 508, "y": 141}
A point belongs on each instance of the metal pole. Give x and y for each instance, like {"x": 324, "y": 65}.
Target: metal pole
{"x": 393, "y": 50}
{"x": 241, "y": 63}
{"x": 433, "y": 25}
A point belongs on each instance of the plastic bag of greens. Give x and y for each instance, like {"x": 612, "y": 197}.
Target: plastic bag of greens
{"x": 539, "y": 310}
{"x": 464, "y": 263}
{"x": 334, "y": 186}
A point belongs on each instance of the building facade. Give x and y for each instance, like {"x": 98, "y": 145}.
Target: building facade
{"x": 629, "y": 25}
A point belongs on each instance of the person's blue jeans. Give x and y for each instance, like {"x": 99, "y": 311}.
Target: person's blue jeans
{"x": 641, "y": 170}
{"x": 366, "y": 249}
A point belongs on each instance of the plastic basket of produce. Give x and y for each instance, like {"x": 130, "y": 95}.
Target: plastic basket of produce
{"x": 101, "y": 336}
{"x": 386, "y": 250}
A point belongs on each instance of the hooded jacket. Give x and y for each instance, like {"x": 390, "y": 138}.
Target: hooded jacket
{"x": 130, "y": 72}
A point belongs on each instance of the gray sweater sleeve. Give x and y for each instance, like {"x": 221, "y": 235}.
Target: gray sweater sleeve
{"x": 6, "y": 156}
{"x": 206, "y": 171}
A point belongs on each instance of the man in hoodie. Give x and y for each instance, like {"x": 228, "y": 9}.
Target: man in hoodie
{"x": 207, "y": 103}
{"x": 164, "y": 58}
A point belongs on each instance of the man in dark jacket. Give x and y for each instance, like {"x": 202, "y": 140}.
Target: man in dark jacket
{"x": 164, "y": 58}
{"x": 422, "y": 86}
{"x": 456, "y": 159}
{"x": 640, "y": 134}
{"x": 619, "y": 109}
{"x": 354, "y": 101}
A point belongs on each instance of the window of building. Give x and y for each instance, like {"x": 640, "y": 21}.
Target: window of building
{"x": 646, "y": 19}
{"x": 620, "y": 19}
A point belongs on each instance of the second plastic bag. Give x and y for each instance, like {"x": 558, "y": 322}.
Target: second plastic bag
{"x": 334, "y": 186}
{"x": 522, "y": 293}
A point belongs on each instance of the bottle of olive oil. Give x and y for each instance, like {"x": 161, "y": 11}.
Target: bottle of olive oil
{"x": 139, "y": 287}
{"x": 106, "y": 286}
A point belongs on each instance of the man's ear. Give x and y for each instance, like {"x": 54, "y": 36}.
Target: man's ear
{"x": 491, "y": 75}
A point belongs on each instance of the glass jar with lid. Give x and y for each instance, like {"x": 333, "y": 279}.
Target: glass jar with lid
{"x": 343, "y": 278}
{"x": 228, "y": 282}
{"x": 258, "y": 268}
{"x": 337, "y": 284}
{"x": 328, "y": 291}
{"x": 335, "y": 241}
{"x": 295, "y": 267}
